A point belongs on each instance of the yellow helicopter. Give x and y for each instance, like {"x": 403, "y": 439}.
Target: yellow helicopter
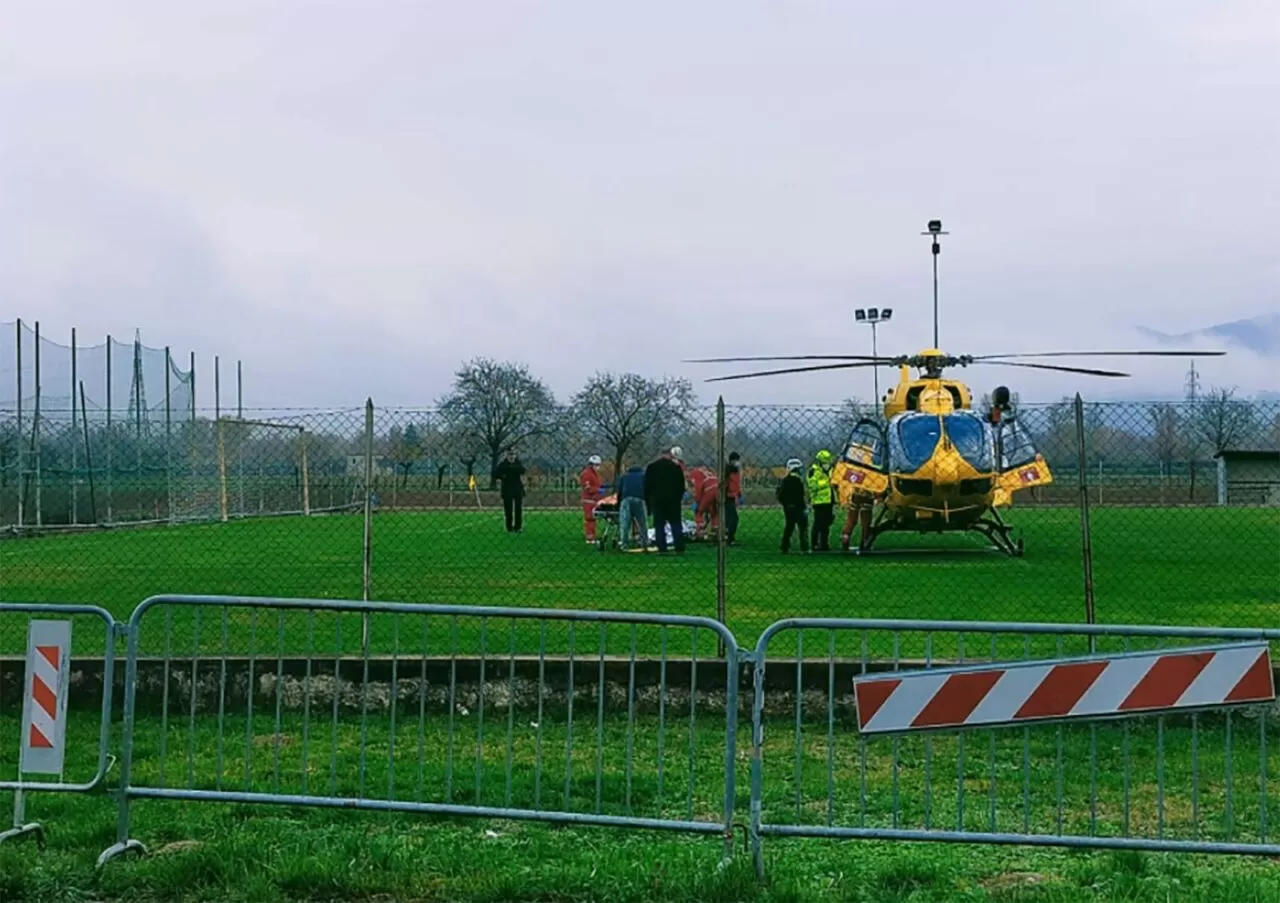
{"x": 934, "y": 464}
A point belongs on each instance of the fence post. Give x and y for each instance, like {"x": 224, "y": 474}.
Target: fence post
{"x": 110, "y": 444}
{"x": 1086, "y": 540}
{"x": 75, "y": 438}
{"x": 88, "y": 458}
{"x": 168, "y": 429}
{"x": 221, "y": 450}
{"x": 240, "y": 447}
{"x": 35, "y": 434}
{"x": 191, "y": 441}
{"x": 222, "y": 471}
{"x": 306, "y": 476}
{"x": 721, "y": 562}
{"x": 368, "y": 520}
{"x": 22, "y": 473}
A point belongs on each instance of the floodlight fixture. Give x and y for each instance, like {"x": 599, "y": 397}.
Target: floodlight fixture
{"x": 872, "y": 317}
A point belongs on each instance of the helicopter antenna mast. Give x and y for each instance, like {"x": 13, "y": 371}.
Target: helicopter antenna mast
{"x": 935, "y": 229}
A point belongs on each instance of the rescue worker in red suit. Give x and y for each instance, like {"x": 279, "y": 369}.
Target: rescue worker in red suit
{"x": 859, "y": 507}
{"x": 706, "y": 500}
{"x": 592, "y": 489}
{"x": 732, "y": 496}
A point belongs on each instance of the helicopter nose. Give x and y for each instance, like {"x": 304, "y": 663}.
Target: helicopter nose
{"x": 946, "y": 470}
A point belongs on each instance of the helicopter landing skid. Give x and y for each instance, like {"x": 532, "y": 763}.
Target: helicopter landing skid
{"x": 997, "y": 532}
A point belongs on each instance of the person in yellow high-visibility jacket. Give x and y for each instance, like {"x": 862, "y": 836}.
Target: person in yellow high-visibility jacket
{"x": 822, "y": 497}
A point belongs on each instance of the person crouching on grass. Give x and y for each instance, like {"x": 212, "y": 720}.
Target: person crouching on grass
{"x": 706, "y": 501}
{"x": 509, "y": 474}
{"x": 791, "y": 495}
{"x": 591, "y": 485}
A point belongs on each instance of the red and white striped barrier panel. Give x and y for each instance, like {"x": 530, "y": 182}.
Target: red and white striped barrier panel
{"x": 1071, "y": 688}
{"x": 44, "y": 708}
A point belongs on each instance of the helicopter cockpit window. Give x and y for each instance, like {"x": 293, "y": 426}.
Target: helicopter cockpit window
{"x": 972, "y": 439}
{"x": 1016, "y": 446}
{"x": 912, "y": 441}
{"x": 866, "y": 445}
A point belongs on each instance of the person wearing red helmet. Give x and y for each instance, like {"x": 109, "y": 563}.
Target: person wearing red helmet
{"x": 591, "y": 484}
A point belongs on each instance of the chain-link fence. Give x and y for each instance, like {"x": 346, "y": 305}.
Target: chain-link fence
{"x": 1165, "y": 514}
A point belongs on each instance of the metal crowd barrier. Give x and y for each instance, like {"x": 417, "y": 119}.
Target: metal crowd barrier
{"x": 1032, "y": 734}
{"x": 1122, "y": 737}
{"x": 58, "y": 640}
{"x": 439, "y": 709}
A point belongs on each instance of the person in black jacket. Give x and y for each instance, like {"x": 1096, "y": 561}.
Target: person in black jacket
{"x": 664, "y": 493}
{"x": 791, "y": 495}
{"x": 509, "y": 474}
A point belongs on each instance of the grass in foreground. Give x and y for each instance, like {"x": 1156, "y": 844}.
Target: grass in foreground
{"x": 213, "y": 851}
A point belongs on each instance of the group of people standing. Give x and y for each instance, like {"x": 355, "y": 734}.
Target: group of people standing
{"x": 658, "y": 491}
{"x": 817, "y": 490}
{"x": 798, "y": 494}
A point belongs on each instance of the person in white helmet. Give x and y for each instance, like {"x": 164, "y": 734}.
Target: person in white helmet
{"x": 591, "y": 485}
{"x": 791, "y": 496}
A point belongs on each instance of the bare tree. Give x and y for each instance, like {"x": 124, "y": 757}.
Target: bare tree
{"x": 1222, "y": 421}
{"x": 497, "y": 405}
{"x": 1218, "y": 421}
{"x": 852, "y": 410}
{"x": 626, "y": 408}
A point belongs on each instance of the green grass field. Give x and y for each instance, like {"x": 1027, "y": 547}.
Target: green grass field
{"x": 1156, "y": 566}
{"x": 1188, "y": 566}
{"x": 611, "y": 764}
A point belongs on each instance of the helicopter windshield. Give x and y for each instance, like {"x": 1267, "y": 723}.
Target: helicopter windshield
{"x": 914, "y": 439}
{"x": 972, "y": 438}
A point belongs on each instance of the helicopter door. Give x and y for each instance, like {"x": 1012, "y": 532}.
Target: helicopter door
{"x": 1021, "y": 465}
{"x": 864, "y": 466}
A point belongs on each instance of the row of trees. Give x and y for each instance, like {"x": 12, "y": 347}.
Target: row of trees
{"x": 494, "y": 405}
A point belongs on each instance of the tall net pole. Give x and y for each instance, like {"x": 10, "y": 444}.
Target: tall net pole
{"x": 221, "y": 439}
{"x": 191, "y": 437}
{"x": 21, "y": 458}
{"x": 168, "y": 430}
{"x": 110, "y": 458}
{"x": 35, "y": 432}
{"x": 75, "y": 438}
{"x": 240, "y": 416}
{"x": 137, "y": 399}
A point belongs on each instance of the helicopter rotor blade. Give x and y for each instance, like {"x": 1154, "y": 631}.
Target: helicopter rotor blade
{"x": 1085, "y": 370}
{"x": 989, "y": 357}
{"x": 846, "y": 366}
{"x": 792, "y": 357}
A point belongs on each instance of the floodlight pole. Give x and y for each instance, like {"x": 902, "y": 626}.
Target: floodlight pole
{"x": 935, "y": 229}
{"x": 873, "y": 318}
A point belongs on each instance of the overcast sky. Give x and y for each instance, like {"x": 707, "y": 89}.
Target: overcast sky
{"x": 354, "y": 196}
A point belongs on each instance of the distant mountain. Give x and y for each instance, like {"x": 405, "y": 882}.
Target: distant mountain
{"x": 1260, "y": 335}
